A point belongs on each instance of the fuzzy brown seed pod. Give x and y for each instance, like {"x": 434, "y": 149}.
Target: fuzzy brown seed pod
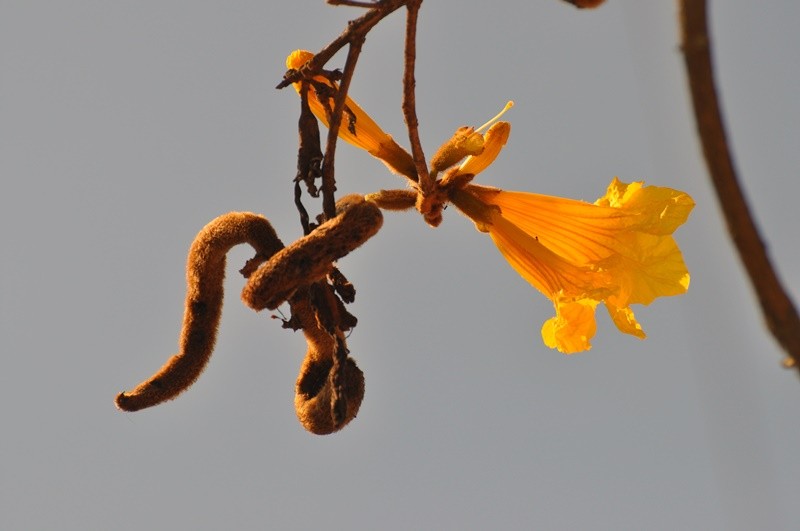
{"x": 311, "y": 258}
{"x": 205, "y": 272}
{"x": 330, "y": 387}
{"x": 314, "y": 394}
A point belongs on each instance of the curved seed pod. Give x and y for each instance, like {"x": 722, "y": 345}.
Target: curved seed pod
{"x": 205, "y": 272}
{"x": 314, "y": 394}
{"x": 311, "y": 258}
{"x": 330, "y": 386}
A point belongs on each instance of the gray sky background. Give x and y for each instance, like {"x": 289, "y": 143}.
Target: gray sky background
{"x": 127, "y": 126}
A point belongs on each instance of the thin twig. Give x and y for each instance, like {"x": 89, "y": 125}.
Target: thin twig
{"x": 298, "y": 203}
{"x": 356, "y": 30}
{"x": 353, "y": 35}
{"x": 779, "y": 311}
{"x": 409, "y": 98}
{"x": 328, "y": 180}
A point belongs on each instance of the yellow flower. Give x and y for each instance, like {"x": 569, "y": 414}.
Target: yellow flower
{"x": 357, "y": 127}
{"x": 617, "y": 251}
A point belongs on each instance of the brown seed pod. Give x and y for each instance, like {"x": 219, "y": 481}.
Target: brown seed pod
{"x": 205, "y": 272}
{"x": 311, "y": 258}
{"x": 330, "y": 386}
{"x": 314, "y": 397}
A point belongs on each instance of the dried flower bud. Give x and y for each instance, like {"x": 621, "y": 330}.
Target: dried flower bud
{"x": 464, "y": 142}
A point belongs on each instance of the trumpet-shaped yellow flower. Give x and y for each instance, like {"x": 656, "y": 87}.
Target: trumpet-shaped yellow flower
{"x": 617, "y": 251}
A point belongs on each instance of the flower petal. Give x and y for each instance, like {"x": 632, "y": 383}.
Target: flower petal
{"x": 572, "y": 327}
{"x": 625, "y": 320}
{"x": 655, "y": 270}
{"x": 493, "y": 141}
{"x": 657, "y": 210}
{"x": 578, "y": 231}
{"x": 586, "y": 233}
{"x": 619, "y": 251}
{"x": 357, "y": 127}
{"x": 543, "y": 268}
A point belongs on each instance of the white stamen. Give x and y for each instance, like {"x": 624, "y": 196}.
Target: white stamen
{"x": 497, "y": 117}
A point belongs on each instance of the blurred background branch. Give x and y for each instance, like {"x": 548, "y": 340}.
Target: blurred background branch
{"x": 779, "y": 311}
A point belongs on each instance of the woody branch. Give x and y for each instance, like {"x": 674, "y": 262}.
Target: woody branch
{"x": 779, "y": 311}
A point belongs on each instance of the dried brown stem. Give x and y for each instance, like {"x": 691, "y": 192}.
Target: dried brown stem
{"x": 309, "y": 156}
{"x": 328, "y": 179}
{"x": 779, "y": 311}
{"x": 409, "y": 98}
{"x": 353, "y": 35}
{"x": 356, "y": 30}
